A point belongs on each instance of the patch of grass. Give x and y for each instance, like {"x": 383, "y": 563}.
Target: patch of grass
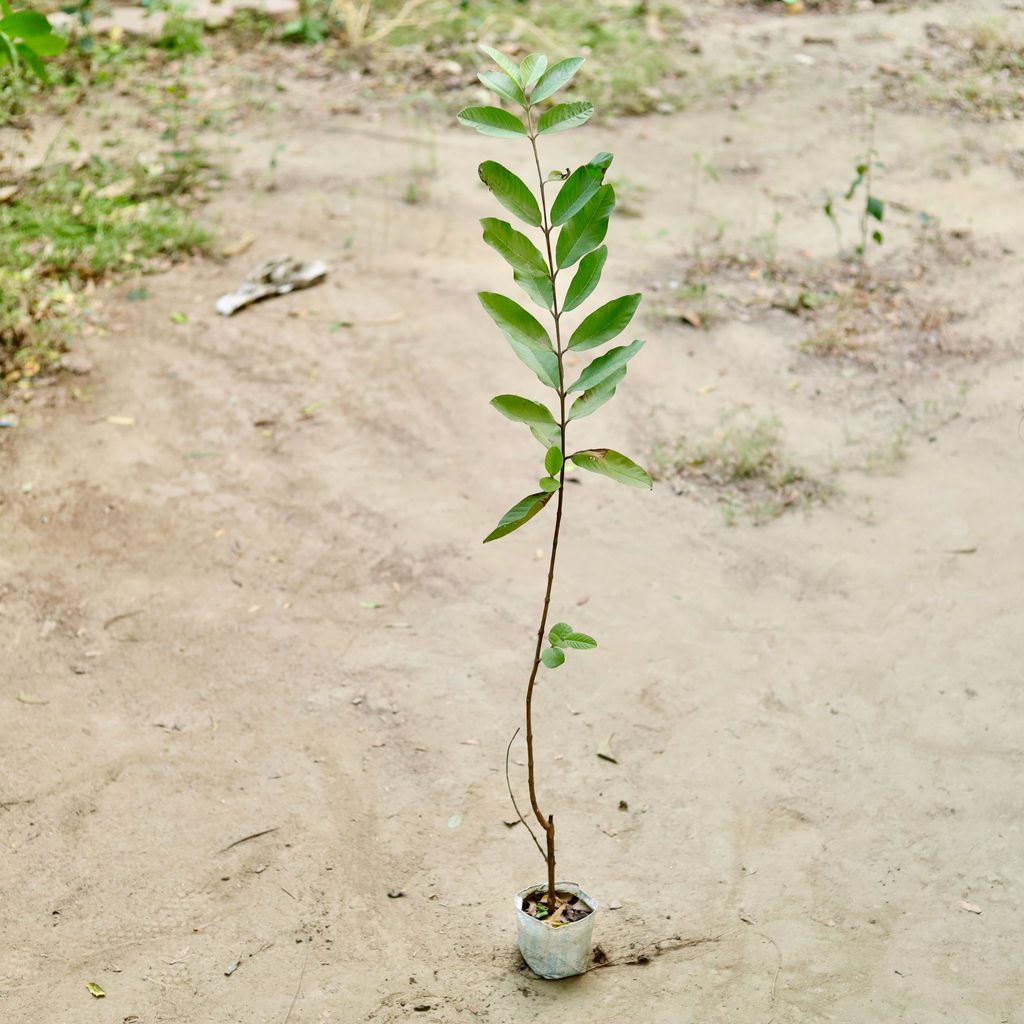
{"x": 886, "y": 453}
{"x": 894, "y": 317}
{"x": 831, "y": 342}
{"x": 690, "y": 304}
{"x": 745, "y": 465}
{"x": 976, "y": 70}
{"x": 67, "y": 226}
{"x": 35, "y": 318}
{"x": 102, "y": 218}
{"x": 181, "y": 36}
{"x": 632, "y": 46}
{"x": 874, "y": 321}
{"x": 827, "y": 6}
{"x": 248, "y": 25}
{"x": 995, "y": 47}
{"x": 313, "y": 25}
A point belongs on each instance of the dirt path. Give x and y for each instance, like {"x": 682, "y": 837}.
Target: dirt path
{"x": 817, "y": 722}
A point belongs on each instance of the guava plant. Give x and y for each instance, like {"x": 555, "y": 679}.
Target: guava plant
{"x": 570, "y": 209}
{"x": 872, "y": 209}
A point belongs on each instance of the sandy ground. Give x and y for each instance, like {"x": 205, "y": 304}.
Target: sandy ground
{"x": 817, "y": 721}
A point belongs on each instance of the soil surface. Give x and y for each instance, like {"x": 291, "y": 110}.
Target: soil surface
{"x": 256, "y": 603}
{"x": 568, "y": 907}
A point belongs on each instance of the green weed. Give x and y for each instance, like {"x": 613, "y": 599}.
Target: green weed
{"x": 312, "y": 26}
{"x": 66, "y": 226}
{"x": 872, "y": 209}
{"x": 745, "y": 463}
{"x": 181, "y": 36}
{"x": 102, "y": 218}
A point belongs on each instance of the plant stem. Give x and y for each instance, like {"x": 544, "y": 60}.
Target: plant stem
{"x": 548, "y": 823}
{"x": 870, "y": 162}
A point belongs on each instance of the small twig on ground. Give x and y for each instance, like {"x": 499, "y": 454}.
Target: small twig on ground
{"x": 298, "y": 988}
{"x": 245, "y": 839}
{"x": 4, "y": 804}
{"x": 121, "y": 617}
{"x": 238, "y": 962}
{"x": 778, "y": 968}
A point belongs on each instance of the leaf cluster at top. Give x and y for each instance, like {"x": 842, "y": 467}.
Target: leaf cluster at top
{"x": 574, "y": 224}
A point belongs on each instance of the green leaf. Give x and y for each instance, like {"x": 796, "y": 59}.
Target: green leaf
{"x": 552, "y": 657}
{"x": 605, "y": 323}
{"x": 605, "y": 366}
{"x": 554, "y": 78}
{"x": 614, "y": 465}
{"x": 586, "y": 278}
{"x": 25, "y": 25}
{"x": 585, "y": 230}
{"x": 563, "y": 116}
{"x": 531, "y": 68}
{"x": 579, "y": 642}
{"x": 574, "y": 193}
{"x": 538, "y": 288}
{"x": 546, "y": 437}
{"x": 553, "y": 460}
{"x": 492, "y": 121}
{"x": 11, "y": 53}
{"x": 507, "y": 88}
{"x": 558, "y": 632}
{"x": 517, "y": 515}
{"x": 511, "y": 191}
{"x": 96, "y": 991}
{"x": 549, "y": 484}
{"x": 593, "y": 398}
{"x": 602, "y": 161}
{"x": 877, "y": 236}
{"x": 520, "y": 253}
{"x": 47, "y": 46}
{"x": 533, "y": 414}
{"x": 32, "y": 62}
{"x": 876, "y": 208}
{"x": 527, "y": 337}
{"x": 507, "y": 64}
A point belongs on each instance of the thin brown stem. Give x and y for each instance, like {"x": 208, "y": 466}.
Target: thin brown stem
{"x": 548, "y": 823}
{"x": 512, "y": 797}
{"x": 551, "y": 865}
